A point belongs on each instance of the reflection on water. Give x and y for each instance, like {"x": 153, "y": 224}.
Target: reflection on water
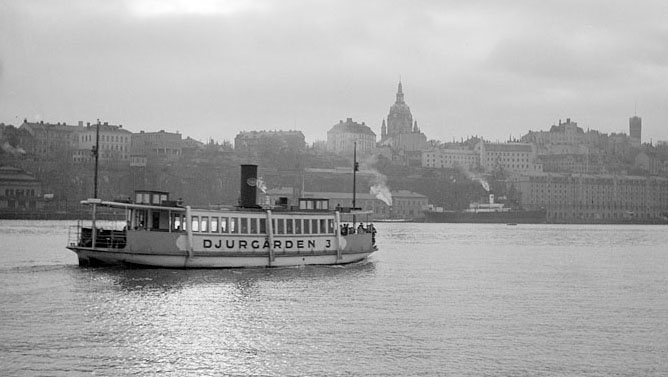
{"x": 437, "y": 299}
{"x": 155, "y": 279}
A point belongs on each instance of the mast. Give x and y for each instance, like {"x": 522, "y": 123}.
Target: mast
{"x": 355, "y": 169}
{"x": 96, "y": 153}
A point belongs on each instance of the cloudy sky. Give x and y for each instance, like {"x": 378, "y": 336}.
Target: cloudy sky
{"x": 210, "y": 69}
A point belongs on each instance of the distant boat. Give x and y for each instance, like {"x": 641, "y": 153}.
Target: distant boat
{"x": 490, "y": 212}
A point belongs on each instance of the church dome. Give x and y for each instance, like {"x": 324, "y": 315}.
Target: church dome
{"x": 400, "y": 119}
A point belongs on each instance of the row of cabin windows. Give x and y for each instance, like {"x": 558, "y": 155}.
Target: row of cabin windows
{"x": 243, "y": 225}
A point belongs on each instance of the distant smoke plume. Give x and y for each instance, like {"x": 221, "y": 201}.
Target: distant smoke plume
{"x": 11, "y": 150}
{"x": 379, "y": 189}
{"x": 476, "y": 178}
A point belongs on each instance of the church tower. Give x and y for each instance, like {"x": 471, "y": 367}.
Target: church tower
{"x": 400, "y": 119}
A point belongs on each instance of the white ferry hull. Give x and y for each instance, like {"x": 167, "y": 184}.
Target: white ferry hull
{"x": 166, "y": 250}
{"x": 94, "y": 257}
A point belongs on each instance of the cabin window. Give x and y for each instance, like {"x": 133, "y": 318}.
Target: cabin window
{"x": 307, "y": 227}
{"x": 234, "y": 225}
{"x": 195, "y": 223}
{"x": 302, "y": 204}
{"x": 253, "y": 226}
{"x": 281, "y": 226}
{"x": 244, "y": 225}
{"x": 223, "y": 225}
{"x": 298, "y": 226}
{"x": 309, "y": 204}
{"x": 140, "y": 219}
{"x": 214, "y": 224}
{"x": 288, "y": 226}
{"x": 330, "y": 226}
{"x": 314, "y": 226}
{"x": 156, "y": 199}
{"x": 323, "y": 229}
{"x": 325, "y": 204}
{"x": 205, "y": 224}
{"x": 263, "y": 226}
{"x": 146, "y": 198}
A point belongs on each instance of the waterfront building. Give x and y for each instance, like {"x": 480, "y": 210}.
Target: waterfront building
{"x": 269, "y": 140}
{"x": 341, "y": 138}
{"x": 20, "y": 191}
{"x": 513, "y": 157}
{"x": 160, "y": 145}
{"x": 114, "y": 143}
{"x": 451, "y": 158}
{"x": 49, "y": 141}
{"x": 574, "y": 163}
{"x": 586, "y": 198}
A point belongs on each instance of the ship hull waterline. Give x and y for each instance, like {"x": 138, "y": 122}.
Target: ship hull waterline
{"x": 525, "y": 217}
{"x": 355, "y": 248}
{"x": 97, "y": 257}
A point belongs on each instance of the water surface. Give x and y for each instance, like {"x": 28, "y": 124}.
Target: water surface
{"x": 437, "y": 299}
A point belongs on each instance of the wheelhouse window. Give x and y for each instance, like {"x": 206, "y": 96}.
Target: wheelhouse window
{"x": 178, "y": 222}
{"x": 244, "y": 225}
{"x": 314, "y": 226}
{"x": 214, "y": 225}
{"x": 195, "y": 223}
{"x": 224, "y": 228}
{"x": 323, "y": 229}
{"x": 234, "y": 225}
{"x": 307, "y": 228}
{"x": 280, "y": 226}
{"x": 288, "y": 226}
{"x": 263, "y": 226}
{"x": 298, "y": 226}
{"x": 204, "y": 224}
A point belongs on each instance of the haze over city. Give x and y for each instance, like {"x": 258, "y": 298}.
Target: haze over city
{"x": 210, "y": 69}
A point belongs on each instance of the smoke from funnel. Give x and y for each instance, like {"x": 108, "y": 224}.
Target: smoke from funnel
{"x": 476, "y": 178}
{"x": 379, "y": 189}
{"x": 8, "y": 148}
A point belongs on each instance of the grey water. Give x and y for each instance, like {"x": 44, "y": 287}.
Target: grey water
{"x": 436, "y": 299}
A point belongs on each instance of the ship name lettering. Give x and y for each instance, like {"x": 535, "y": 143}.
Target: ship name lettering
{"x": 257, "y": 244}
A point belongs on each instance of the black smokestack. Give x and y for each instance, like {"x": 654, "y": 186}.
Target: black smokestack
{"x": 248, "y": 190}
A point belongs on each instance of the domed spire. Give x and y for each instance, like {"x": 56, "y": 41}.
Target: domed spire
{"x": 400, "y": 94}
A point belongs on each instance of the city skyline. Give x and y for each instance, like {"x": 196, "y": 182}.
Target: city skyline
{"x": 212, "y": 69}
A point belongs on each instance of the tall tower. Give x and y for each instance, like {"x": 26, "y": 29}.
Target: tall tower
{"x": 635, "y": 130}
{"x": 400, "y": 119}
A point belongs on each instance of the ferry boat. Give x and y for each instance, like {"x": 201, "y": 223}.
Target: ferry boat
{"x": 490, "y": 212}
{"x": 159, "y": 232}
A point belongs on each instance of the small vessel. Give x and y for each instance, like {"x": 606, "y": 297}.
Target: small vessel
{"x": 159, "y": 232}
{"x": 490, "y": 212}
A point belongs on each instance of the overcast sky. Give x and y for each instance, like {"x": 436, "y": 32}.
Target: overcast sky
{"x": 210, "y": 69}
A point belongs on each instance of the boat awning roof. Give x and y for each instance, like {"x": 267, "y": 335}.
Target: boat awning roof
{"x": 104, "y": 203}
{"x": 356, "y": 213}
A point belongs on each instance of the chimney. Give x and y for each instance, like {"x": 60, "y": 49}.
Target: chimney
{"x": 248, "y": 191}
